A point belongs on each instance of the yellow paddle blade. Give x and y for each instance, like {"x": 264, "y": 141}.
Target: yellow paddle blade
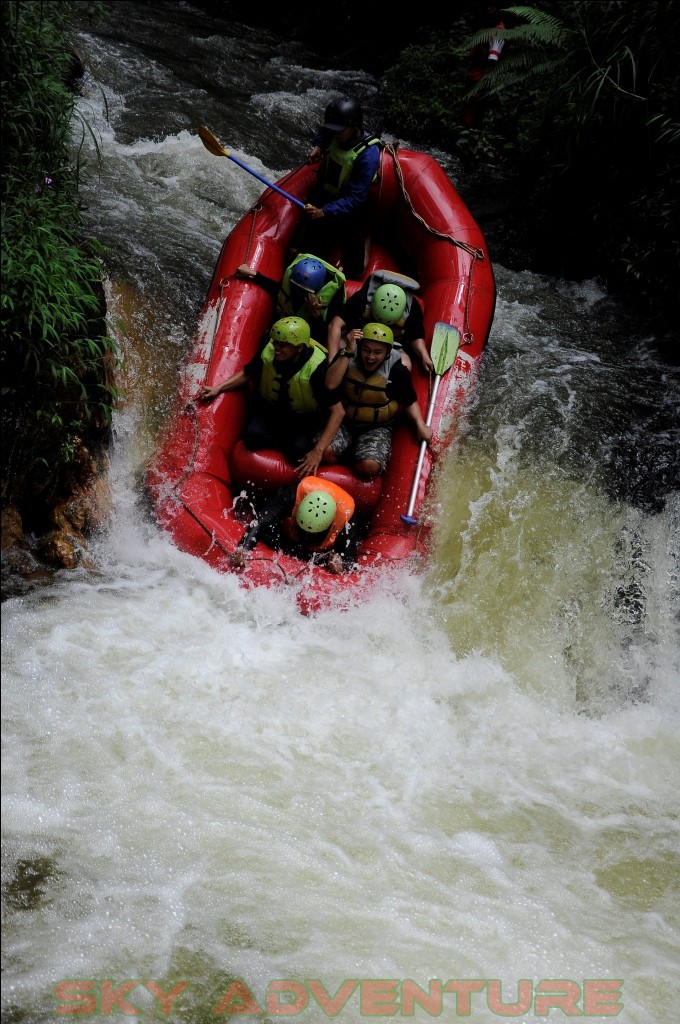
{"x": 210, "y": 142}
{"x": 213, "y": 146}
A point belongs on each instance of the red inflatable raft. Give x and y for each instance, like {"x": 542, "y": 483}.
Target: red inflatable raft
{"x": 201, "y": 466}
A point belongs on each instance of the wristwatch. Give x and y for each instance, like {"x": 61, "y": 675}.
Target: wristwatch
{"x": 348, "y": 355}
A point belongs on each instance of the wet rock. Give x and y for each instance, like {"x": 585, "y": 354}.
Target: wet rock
{"x": 73, "y": 521}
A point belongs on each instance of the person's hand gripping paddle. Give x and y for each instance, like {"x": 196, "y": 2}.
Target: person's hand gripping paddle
{"x": 445, "y": 342}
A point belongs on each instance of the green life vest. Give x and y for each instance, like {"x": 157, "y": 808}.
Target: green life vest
{"x": 335, "y": 283}
{"x": 338, "y": 162}
{"x": 300, "y": 394}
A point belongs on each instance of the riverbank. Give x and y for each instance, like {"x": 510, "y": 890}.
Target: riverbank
{"x": 58, "y": 357}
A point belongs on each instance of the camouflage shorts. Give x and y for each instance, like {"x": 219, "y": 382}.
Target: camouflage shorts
{"x": 375, "y": 444}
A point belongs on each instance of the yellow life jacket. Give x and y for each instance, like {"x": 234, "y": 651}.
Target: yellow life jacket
{"x": 335, "y": 283}
{"x": 300, "y": 393}
{"x": 338, "y": 162}
{"x": 364, "y": 398}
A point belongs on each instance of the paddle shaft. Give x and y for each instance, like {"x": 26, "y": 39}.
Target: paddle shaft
{"x": 212, "y": 144}
{"x": 276, "y": 188}
{"x": 445, "y": 342}
{"x": 408, "y": 517}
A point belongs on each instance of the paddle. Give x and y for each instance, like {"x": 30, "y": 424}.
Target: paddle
{"x": 445, "y": 342}
{"x": 213, "y": 146}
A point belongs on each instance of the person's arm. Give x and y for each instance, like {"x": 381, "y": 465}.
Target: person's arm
{"x": 321, "y": 140}
{"x": 238, "y": 380}
{"x": 423, "y": 432}
{"x": 338, "y": 368}
{"x": 343, "y": 557}
{"x": 420, "y": 348}
{"x": 335, "y": 305}
{"x": 279, "y": 506}
{"x": 349, "y": 314}
{"x": 268, "y": 283}
{"x": 400, "y": 387}
{"x": 347, "y": 544}
{"x": 334, "y": 337}
{"x": 312, "y": 460}
{"x": 414, "y": 336}
{"x": 314, "y": 308}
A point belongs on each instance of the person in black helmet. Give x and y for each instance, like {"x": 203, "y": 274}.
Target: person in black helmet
{"x": 334, "y": 217}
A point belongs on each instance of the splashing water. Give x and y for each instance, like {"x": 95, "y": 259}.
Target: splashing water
{"x": 470, "y": 775}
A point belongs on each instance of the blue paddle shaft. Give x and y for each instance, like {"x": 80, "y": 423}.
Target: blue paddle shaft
{"x": 276, "y": 188}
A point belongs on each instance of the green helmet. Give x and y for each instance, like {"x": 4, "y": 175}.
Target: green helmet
{"x": 292, "y": 330}
{"x": 389, "y": 303}
{"x": 378, "y": 332}
{"x": 316, "y": 512}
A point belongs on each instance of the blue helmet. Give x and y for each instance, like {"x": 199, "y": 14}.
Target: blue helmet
{"x": 309, "y": 274}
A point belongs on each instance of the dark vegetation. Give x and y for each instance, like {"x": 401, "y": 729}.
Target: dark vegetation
{"x": 572, "y": 160}
{"x": 576, "y": 128}
{"x": 58, "y": 387}
{"x": 570, "y": 156}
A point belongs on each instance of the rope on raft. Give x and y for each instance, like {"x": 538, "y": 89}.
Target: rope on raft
{"x": 473, "y": 250}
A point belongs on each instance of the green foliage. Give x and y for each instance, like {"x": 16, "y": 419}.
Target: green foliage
{"x": 422, "y": 95}
{"x": 57, "y": 360}
{"x": 532, "y": 48}
{"x": 580, "y": 114}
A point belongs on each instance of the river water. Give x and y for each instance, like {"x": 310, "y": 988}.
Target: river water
{"x": 474, "y": 776}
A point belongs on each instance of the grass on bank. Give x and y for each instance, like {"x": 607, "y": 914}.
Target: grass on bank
{"x": 58, "y": 390}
